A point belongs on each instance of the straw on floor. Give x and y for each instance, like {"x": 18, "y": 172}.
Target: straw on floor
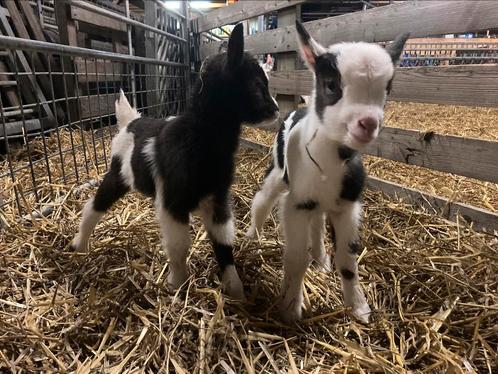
{"x": 432, "y": 284}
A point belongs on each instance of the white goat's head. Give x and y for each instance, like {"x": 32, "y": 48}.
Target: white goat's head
{"x": 352, "y": 81}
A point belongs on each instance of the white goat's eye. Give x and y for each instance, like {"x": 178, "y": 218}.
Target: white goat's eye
{"x": 331, "y": 88}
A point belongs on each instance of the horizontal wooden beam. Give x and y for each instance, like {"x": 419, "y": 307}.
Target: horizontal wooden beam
{"x": 101, "y": 70}
{"x": 481, "y": 219}
{"x": 474, "y": 158}
{"x": 239, "y": 11}
{"x": 473, "y": 85}
{"x": 87, "y": 16}
{"x": 420, "y": 18}
{"x": 97, "y": 105}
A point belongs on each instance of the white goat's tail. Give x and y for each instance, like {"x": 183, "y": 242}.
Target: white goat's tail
{"x": 124, "y": 112}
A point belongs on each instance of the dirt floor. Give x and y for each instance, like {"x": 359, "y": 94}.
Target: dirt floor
{"x": 431, "y": 283}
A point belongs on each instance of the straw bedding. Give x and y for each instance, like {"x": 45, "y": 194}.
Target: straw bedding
{"x": 432, "y": 284}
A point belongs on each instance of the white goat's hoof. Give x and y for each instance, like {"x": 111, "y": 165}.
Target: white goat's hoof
{"x": 362, "y": 312}
{"x": 232, "y": 284}
{"x": 177, "y": 278}
{"x": 323, "y": 264}
{"x": 291, "y": 309}
{"x": 78, "y": 245}
{"x": 251, "y": 233}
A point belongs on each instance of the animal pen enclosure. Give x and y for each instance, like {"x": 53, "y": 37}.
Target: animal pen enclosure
{"x": 428, "y": 264}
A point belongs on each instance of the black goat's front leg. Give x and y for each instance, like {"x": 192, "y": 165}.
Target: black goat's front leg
{"x": 218, "y": 221}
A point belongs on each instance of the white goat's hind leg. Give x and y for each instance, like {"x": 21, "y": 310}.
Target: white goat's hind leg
{"x": 346, "y": 225}
{"x": 90, "y": 218}
{"x": 296, "y": 260}
{"x": 318, "y": 252}
{"x": 265, "y": 200}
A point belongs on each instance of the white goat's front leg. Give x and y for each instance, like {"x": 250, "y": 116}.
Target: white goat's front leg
{"x": 296, "y": 259}
{"x": 264, "y": 200}
{"x": 176, "y": 241}
{"x": 318, "y": 252}
{"x": 346, "y": 226}
{"x": 218, "y": 221}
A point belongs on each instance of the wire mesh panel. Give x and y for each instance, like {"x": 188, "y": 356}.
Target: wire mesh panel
{"x": 57, "y": 114}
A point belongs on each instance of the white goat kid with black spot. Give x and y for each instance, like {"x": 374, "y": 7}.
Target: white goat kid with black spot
{"x": 316, "y": 168}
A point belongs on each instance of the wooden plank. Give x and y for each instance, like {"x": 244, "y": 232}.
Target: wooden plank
{"x": 286, "y": 61}
{"x": 474, "y": 158}
{"x": 98, "y": 20}
{"x": 10, "y": 92}
{"x": 104, "y": 70}
{"x": 68, "y": 36}
{"x": 33, "y": 20}
{"x": 97, "y": 105}
{"x": 240, "y": 11}
{"x": 16, "y": 128}
{"x": 38, "y": 94}
{"x": 458, "y": 85}
{"x": 482, "y": 219}
{"x": 421, "y": 18}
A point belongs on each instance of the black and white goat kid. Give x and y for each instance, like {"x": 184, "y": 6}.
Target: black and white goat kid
{"x": 317, "y": 169}
{"x": 187, "y": 163}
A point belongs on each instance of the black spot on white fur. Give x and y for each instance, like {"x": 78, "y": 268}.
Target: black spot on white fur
{"x": 297, "y": 116}
{"x": 354, "y": 247}
{"x": 307, "y": 205}
{"x": 328, "y": 82}
{"x": 353, "y": 180}
{"x": 345, "y": 153}
{"x": 347, "y": 274}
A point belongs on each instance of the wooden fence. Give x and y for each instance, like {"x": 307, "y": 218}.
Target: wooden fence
{"x": 475, "y": 85}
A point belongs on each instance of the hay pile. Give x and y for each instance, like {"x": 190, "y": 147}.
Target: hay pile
{"x": 431, "y": 283}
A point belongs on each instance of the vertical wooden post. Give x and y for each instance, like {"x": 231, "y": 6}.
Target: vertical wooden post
{"x": 68, "y": 36}
{"x": 186, "y": 35}
{"x": 286, "y": 61}
{"x": 151, "y": 52}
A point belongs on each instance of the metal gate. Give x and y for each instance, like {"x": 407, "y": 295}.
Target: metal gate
{"x": 57, "y": 100}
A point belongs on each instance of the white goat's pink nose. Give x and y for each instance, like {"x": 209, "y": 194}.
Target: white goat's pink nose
{"x": 368, "y": 125}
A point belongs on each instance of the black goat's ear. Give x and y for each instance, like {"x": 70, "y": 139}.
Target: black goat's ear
{"x": 236, "y": 47}
{"x": 395, "y": 48}
{"x": 308, "y": 47}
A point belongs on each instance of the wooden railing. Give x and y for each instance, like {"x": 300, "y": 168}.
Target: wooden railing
{"x": 475, "y": 85}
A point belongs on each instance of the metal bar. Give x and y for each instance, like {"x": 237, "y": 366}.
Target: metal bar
{"x": 9, "y": 159}
{"x": 119, "y": 17}
{"x": 25, "y": 132}
{"x": 91, "y": 122}
{"x": 39, "y": 46}
{"x": 130, "y": 52}
{"x": 54, "y": 107}
{"x": 68, "y": 111}
{"x": 42, "y": 127}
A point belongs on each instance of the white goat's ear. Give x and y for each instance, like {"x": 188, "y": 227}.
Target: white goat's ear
{"x": 309, "y": 48}
{"x": 235, "y": 47}
{"x": 395, "y": 48}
